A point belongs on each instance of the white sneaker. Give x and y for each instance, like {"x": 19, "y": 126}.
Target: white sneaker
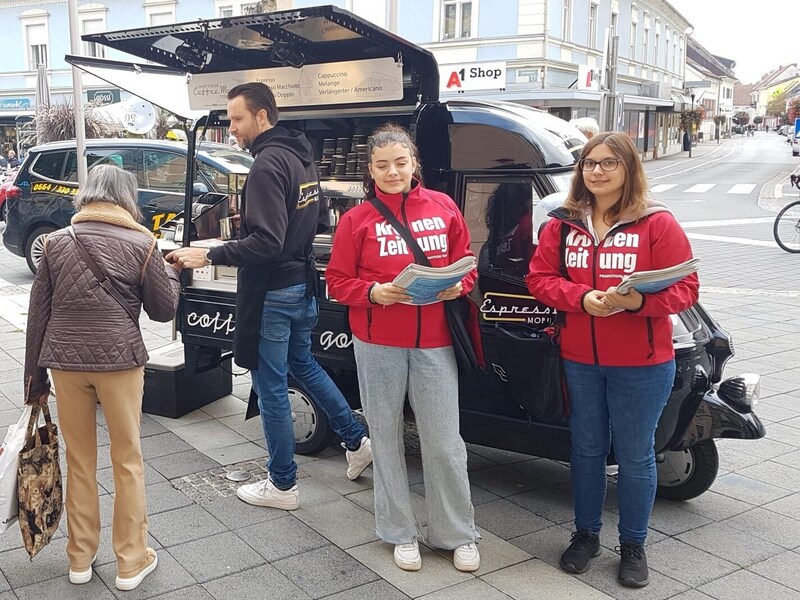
{"x": 131, "y": 583}
{"x": 358, "y": 460}
{"x": 81, "y": 577}
{"x": 406, "y": 556}
{"x": 467, "y": 558}
{"x": 264, "y": 493}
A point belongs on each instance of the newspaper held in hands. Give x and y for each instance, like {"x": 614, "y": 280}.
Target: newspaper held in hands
{"x": 650, "y": 282}
{"x": 424, "y": 283}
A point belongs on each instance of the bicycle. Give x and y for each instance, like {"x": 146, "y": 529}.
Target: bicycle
{"x": 786, "y": 228}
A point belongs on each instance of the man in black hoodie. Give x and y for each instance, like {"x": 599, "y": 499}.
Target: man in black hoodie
{"x": 276, "y": 309}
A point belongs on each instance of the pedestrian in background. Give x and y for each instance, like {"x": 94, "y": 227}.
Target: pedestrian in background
{"x": 404, "y": 350}
{"x": 617, "y": 348}
{"x": 95, "y": 352}
{"x": 276, "y": 306}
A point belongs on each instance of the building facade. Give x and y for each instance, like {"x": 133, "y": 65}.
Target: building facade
{"x": 549, "y": 54}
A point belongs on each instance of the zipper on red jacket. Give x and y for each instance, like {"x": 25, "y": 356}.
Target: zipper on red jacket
{"x": 419, "y": 308}
{"x": 369, "y": 323}
{"x": 650, "y": 338}
{"x": 592, "y": 317}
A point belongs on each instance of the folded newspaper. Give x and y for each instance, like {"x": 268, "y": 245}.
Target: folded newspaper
{"x": 650, "y": 282}
{"x": 424, "y": 283}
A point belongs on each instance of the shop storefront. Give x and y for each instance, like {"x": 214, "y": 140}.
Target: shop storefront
{"x": 14, "y": 113}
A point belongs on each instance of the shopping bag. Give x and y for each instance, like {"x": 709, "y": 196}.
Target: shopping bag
{"x": 40, "y": 495}
{"x": 9, "y": 460}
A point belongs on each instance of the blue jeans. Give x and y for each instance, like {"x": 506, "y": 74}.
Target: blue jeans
{"x": 285, "y": 348}
{"x": 622, "y": 404}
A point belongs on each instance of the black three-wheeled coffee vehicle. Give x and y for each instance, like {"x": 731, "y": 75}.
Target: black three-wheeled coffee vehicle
{"x": 336, "y": 77}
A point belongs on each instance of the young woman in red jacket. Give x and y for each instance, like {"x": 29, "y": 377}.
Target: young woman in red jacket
{"x": 402, "y": 349}
{"x": 617, "y": 348}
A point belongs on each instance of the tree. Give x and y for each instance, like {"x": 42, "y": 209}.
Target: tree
{"x": 794, "y": 110}
{"x": 758, "y": 120}
{"x": 741, "y": 118}
{"x": 57, "y": 122}
{"x": 776, "y": 106}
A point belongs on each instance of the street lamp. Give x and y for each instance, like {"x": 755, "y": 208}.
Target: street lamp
{"x": 691, "y": 124}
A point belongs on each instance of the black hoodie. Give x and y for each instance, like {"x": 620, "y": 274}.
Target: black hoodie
{"x": 280, "y": 211}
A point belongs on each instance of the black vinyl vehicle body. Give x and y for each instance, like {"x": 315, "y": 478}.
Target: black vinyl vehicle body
{"x": 497, "y": 160}
{"x": 47, "y": 183}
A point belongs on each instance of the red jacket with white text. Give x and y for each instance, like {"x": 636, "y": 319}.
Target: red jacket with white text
{"x": 367, "y": 250}
{"x": 628, "y": 338}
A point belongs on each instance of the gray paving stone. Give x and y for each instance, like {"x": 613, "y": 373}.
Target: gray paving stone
{"x": 4, "y": 585}
{"x": 714, "y": 506}
{"x": 791, "y": 460}
{"x": 182, "y": 463}
{"x": 162, "y": 497}
{"x": 216, "y": 556}
{"x": 748, "y": 489}
{"x": 105, "y": 477}
{"x": 105, "y": 553}
{"x": 341, "y": 521}
{"x": 166, "y": 577}
{"x": 151, "y": 427}
{"x": 788, "y": 506}
{"x": 163, "y": 444}
{"x": 692, "y": 595}
{"x": 547, "y": 545}
{"x": 20, "y": 571}
{"x": 686, "y": 563}
{"x": 8, "y": 596}
{"x": 535, "y": 579}
{"x": 324, "y": 571}
{"x": 209, "y": 434}
{"x": 496, "y": 554}
{"x": 233, "y": 454}
{"x": 767, "y": 525}
{"x": 603, "y": 576}
{"x": 281, "y": 538}
{"x": 736, "y": 546}
{"x": 502, "y": 457}
{"x": 226, "y": 407}
{"x": 764, "y": 448}
{"x": 62, "y": 589}
{"x": 671, "y": 518}
{"x": 194, "y": 592}
{"x": 506, "y": 519}
{"x": 503, "y": 481}
{"x": 783, "y": 568}
{"x": 255, "y": 584}
{"x": 235, "y": 514}
{"x": 370, "y": 591}
{"x": 744, "y": 584}
{"x": 553, "y": 504}
{"x": 183, "y": 525}
{"x": 469, "y": 589}
{"x": 784, "y": 433}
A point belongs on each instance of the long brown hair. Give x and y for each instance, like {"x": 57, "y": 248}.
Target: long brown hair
{"x": 634, "y": 190}
{"x": 383, "y": 136}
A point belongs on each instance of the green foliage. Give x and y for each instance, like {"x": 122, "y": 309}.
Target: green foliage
{"x": 777, "y": 104}
{"x": 794, "y": 110}
{"x": 57, "y": 122}
{"x": 720, "y": 119}
{"x": 758, "y": 120}
{"x": 691, "y": 117}
{"x": 741, "y": 118}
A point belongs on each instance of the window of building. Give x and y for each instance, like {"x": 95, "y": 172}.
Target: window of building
{"x": 92, "y": 19}
{"x": 234, "y": 8}
{"x": 566, "y": 16}
{"x": 634, "y": 27}
{"x": 646, "y": 38}
{"x": 35, "y": 38}
{"x": 656, "y": 46}
{"x": 456, "y": 20}
{"x": 224, "y": 12}
{"x": 159, "y": 12}
{"x": 592, "y": 25}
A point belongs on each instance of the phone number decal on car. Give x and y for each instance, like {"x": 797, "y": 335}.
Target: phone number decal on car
{"x": 55, "y": 188}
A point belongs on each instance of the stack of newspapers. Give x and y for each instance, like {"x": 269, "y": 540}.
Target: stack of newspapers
{"x": 424, "y": 283}
{"x": 650, "y": 282}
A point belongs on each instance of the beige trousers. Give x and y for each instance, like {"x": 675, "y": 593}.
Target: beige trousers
{"x": 120, "y": 395}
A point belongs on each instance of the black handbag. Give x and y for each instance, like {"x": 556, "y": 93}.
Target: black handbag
{"x": 461, "y": 313}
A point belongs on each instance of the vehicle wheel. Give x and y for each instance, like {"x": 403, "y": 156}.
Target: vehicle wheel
{"x": 312, "y": 434}
{"x": 34, "y": 246}
{"x": 787, "y": 227}
{"x": 685, "y": 474}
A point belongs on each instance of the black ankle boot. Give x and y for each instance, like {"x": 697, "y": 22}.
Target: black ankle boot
{"x": 633, "y": 565}
{"x": 584, "y": 547}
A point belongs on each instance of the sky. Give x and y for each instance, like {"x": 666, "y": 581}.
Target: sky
{"x": 759, "y": 36}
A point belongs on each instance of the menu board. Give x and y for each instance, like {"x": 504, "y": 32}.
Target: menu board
{"x": 357, "y": 81}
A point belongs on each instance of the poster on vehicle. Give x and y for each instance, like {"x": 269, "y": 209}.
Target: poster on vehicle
{"x": 351, "y": 82}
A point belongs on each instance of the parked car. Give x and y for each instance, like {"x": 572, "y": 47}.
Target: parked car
{"x": 783, "y": 130}
{"x": 796, "y": 145}
{"x": 6, "y": 182}
{"x": 40, "y": 199}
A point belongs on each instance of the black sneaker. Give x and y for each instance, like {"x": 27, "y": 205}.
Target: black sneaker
{"x": 584, "y": 547}
{"x": 633, "y": 565}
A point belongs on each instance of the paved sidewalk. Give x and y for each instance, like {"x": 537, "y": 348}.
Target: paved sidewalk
{"x": 738, "y": 541}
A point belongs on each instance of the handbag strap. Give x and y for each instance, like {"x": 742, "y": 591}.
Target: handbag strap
{"x": 402, "y": 230}
{"x": 102, "y": 278}
{"x": 34, "y": 420}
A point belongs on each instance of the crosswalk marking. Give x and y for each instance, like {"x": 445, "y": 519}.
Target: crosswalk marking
{"x": 742, "y": 188}
{"x": 662, "y": 187}
{"x": 700, "y": 188}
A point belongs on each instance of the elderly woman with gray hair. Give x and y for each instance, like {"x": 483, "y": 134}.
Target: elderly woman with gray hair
{"x": 88, "y": 336}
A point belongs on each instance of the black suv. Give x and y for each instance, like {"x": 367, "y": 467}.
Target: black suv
{"x": 41, "y": 200}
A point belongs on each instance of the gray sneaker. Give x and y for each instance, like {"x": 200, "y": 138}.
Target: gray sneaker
{"x": 358, "y": 460}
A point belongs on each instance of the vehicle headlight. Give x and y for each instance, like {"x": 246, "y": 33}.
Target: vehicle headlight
{"x": 741, "y": 391}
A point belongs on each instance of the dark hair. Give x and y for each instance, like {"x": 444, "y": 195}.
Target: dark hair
{"x": 387, "y": 135}
{"x": 634, "y": 189}
{"x": 257, "y": 97}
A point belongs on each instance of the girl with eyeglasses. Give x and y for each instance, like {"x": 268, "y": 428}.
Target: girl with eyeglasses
{"x": 616, "y": 348}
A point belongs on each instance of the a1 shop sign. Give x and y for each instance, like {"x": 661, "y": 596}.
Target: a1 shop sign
{"x": 463, "y": 77}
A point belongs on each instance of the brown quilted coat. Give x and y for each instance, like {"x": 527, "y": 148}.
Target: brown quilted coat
{"x": 73, "y": 323}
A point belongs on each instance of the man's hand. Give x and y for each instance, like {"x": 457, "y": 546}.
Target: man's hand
{"x": 450, "y": 293}
{"x": 188, "y": 258}
{"x": 388, "y": 294}
{"x": 594, "y": 305}
{"x": 630, "y": 301}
